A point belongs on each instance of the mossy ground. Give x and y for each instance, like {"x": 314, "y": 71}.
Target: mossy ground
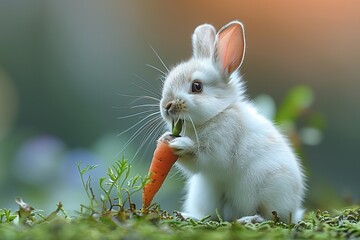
{"x": 343, "y": 224}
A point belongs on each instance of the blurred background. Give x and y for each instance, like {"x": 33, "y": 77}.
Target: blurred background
{"x": 63, "y": 65}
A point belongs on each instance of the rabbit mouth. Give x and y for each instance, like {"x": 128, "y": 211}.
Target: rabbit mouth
{"x": 172, "y": 116}
{"x": 173, "y": 109}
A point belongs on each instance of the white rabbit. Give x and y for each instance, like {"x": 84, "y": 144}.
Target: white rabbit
{"x": 235, "y": 160}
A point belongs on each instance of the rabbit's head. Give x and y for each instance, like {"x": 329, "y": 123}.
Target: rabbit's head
{"x": 204, "y": 86}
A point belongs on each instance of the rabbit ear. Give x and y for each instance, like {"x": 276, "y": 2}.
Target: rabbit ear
{"x": 230, "y": 47}
{"x": 203, "y": 41}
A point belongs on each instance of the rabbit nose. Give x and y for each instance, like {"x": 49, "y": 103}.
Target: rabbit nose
{"x": 169, "y": 106}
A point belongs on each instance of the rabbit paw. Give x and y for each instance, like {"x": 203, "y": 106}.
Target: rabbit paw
{"x": 181, "y": 145}
{"x": 183, "y": 216}
{"x": 250, "y": 219}
{"x": 166, "y": 137}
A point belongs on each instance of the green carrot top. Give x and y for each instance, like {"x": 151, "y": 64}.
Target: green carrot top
{"x": 176, "y": 128}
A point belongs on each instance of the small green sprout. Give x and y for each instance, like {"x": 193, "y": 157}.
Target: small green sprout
{"x": 118, "y": 182}
{"x": 6, "y": 215}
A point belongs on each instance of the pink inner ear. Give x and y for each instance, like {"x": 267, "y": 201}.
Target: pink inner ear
{"x": 231, "y": 47}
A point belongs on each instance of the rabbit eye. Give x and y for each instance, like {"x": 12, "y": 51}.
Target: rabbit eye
{"x": 196, "y": 87}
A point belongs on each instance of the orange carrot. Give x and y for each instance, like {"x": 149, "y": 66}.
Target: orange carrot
{"x": 162, "y": 161}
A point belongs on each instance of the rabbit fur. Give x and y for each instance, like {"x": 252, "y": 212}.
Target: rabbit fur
{"x": 236, "y": 161}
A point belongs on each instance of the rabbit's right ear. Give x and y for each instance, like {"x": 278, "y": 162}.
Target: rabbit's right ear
{"x": 230, "y": 47}
{"x": 203, "y": 41}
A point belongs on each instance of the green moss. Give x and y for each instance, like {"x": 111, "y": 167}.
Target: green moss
{"x": 161, "y": 225}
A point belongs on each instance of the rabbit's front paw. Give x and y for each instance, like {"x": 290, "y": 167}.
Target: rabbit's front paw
{"x": 181, "y": 145}
{"x": 166, "y": 137}
{"x": 250, "y": 219}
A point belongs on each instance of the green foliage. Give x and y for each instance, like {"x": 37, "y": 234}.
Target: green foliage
{"x": 6, "y": 215}
{"x": 119, "y": 178}
{"x": 295, "y": 116}
{"x": 87, "y": 184}
{"x": 298, "y": 119}
{"x": 118, "y": 182}
{"x": 297, "y": 100}
{"x": 27, "y": 215}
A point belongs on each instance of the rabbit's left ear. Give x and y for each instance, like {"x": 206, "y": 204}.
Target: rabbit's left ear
{"x": 203, "y": 41}
{"x": 230, "y": 47}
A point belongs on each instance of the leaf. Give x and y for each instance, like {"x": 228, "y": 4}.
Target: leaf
{"x": 6, "y": 215}
{"x": 316, "y": 120}
{"x": 86, "y": 169}
{"x": 298, "y": 99}
{"x": 134, "y": 180}
{"x": 111, "y": 174}
{"x": 101, "y": 182}
{"x": 53, "y": 214}
{"x": 92, "y": 167}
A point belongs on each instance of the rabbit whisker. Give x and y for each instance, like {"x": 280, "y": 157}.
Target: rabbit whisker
{"x": 147, "y": 90}
{"x": 139, "y": 97}
{"x": 138, "y": 131}
{"x": 157, "y": 55}
{"x": 157, "y": 69}
{"x": 149, "y": 83}
{"x": 139, "y": 122}
{"x": 144, "y": 105}
{"x": 136, "y": 106}
{"x": 136, "y": 114}
{"x": 153, "y": 127}
{"x": 196, "y": 134}
{"x": 155, "y": 91}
